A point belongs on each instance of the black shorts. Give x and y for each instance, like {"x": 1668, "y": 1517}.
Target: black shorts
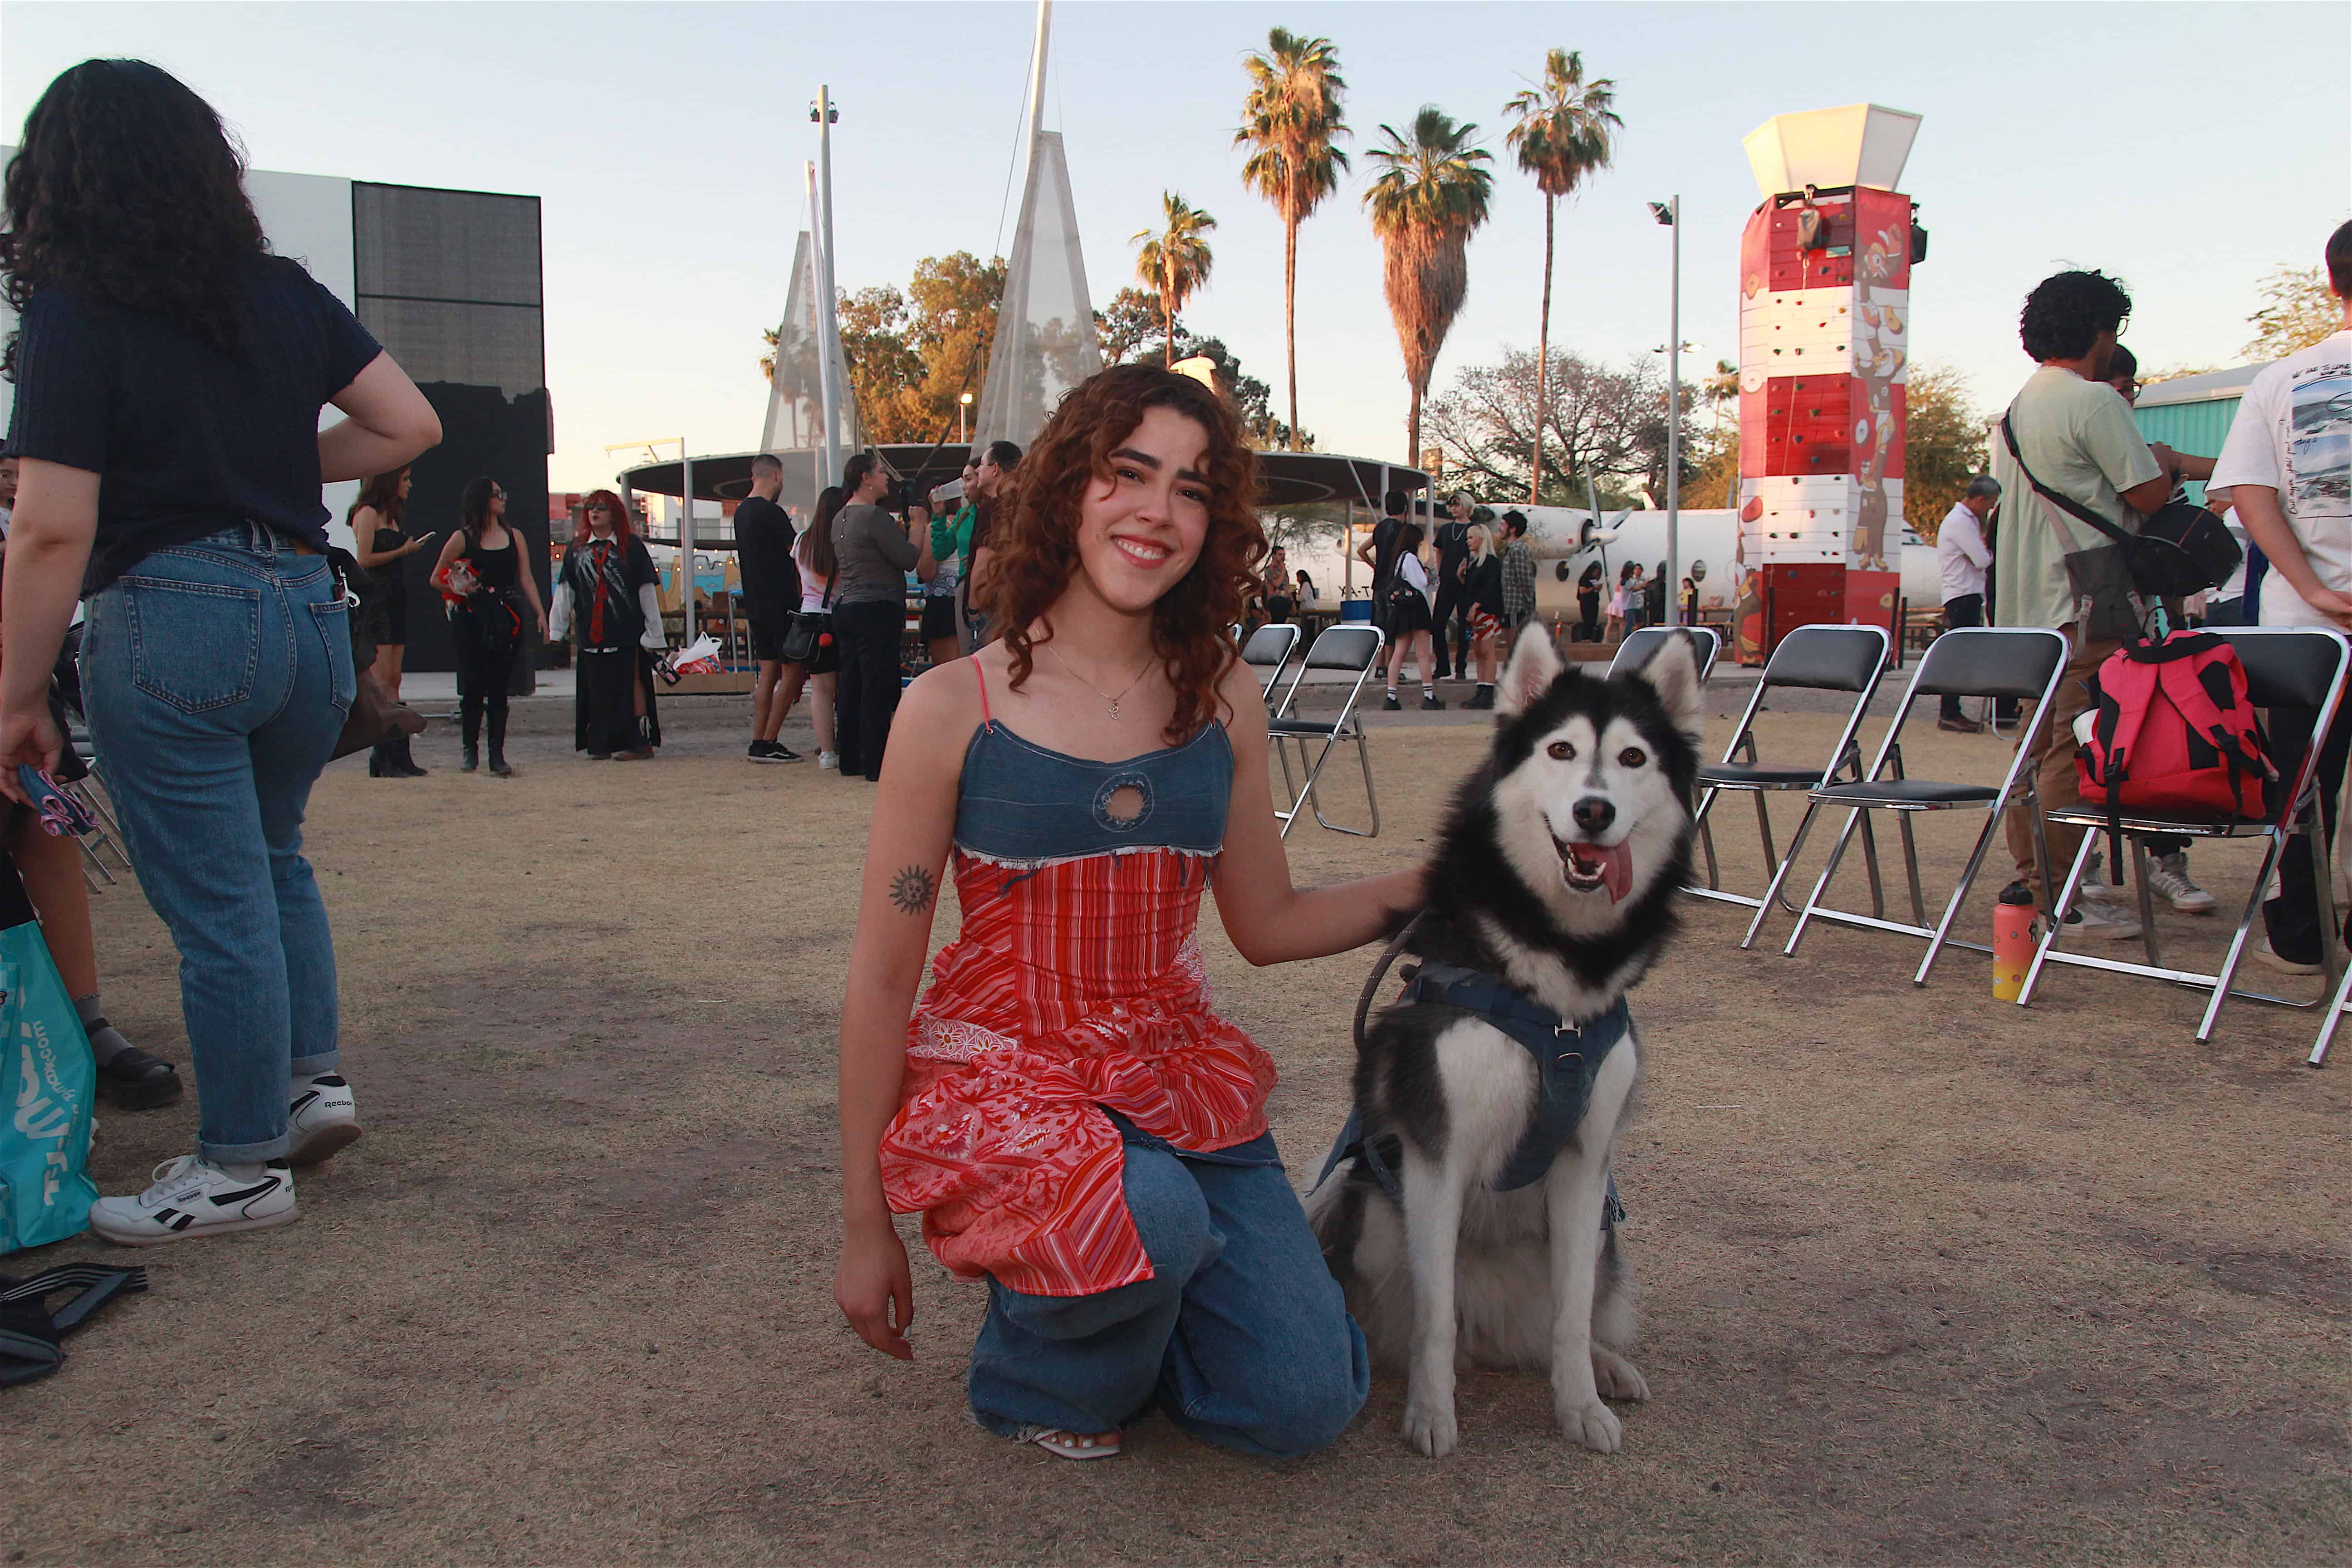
{"x": 938, "y": 616}
{"x": 767, "y": 641}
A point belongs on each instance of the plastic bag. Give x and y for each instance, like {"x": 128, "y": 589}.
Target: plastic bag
{"x": 47, "y": 1085}
{"x": 699, "y": 657}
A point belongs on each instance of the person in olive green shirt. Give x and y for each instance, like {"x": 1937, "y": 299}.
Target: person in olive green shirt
{"x": 2077, "y": 435}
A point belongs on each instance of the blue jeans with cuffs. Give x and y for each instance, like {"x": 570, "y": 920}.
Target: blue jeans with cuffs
{"x": 1241, "y": 1334}
{"x": 217, "y": 675}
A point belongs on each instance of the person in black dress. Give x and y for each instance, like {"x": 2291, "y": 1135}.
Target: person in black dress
{"x": 1482, "y": 608}
{"x": 380, "y": 544}
{"x": 482, "y": 574}
{"x": 1588, "y": 603}
{"x": 605, "y": 599}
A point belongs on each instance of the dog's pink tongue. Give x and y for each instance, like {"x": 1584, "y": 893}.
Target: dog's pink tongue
{"x": 1616, "y": 870}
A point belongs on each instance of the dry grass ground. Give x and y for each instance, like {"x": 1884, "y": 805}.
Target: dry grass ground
{"x": 1929, "y": 1278}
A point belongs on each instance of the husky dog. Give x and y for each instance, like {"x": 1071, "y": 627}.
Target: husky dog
{"x": 1466, "y": 1211}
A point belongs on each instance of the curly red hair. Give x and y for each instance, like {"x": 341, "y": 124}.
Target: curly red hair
{"x": 623, "y": 526}
{"x": 1036, "y": 547}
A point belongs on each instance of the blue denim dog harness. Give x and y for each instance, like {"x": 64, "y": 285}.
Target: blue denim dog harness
{"x": 1567, "y": 1060}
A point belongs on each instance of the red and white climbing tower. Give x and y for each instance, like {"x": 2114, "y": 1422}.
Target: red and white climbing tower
{"x": 1824, "y": 350}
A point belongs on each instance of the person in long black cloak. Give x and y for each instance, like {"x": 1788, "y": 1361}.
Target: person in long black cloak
{"x": 605, "y": 599}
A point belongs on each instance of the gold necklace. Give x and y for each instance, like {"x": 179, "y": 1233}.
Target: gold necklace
{"x": 1097, "y": 691}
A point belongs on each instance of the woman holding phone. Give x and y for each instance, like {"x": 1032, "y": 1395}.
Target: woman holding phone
{"x": 380, "y": 544}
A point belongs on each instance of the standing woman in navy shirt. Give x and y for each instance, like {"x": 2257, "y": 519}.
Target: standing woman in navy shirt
{"x": 169, "y": 375}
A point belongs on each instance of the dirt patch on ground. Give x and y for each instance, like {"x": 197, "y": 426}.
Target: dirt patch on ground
{"x": 1929, "y": 1279}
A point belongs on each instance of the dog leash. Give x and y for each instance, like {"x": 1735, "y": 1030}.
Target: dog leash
{"x": 1379, "y": 972}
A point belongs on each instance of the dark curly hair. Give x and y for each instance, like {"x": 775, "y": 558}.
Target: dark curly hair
{"x": 474, "y": 507}
{"x": 2065, "y": 314}
{"x": 1037, "y": 542}
{"x": 128, "y": 190}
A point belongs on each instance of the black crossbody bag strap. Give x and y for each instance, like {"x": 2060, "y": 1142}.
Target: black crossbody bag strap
{"x": 2067, "y": 503}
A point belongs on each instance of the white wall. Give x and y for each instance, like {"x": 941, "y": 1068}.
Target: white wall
{"x": 308, "y": 217}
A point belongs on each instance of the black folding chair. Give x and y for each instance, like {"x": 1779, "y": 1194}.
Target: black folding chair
{"x": 2286, "y": 667}
{"x": 1267, "y": 650}
{"x": 1642, "y": 646}
{"x": 1973, "y": 661}
{"x": 1355, "y": 647}
{"x": 1814, "y": 658}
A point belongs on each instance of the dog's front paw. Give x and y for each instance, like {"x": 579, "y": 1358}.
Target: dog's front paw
{"x": 1429, "y": 1428}
{"x": 1591, "y": 1423}
{"x": 1616, "y": 1377}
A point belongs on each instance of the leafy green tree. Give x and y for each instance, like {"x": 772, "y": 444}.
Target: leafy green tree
{"x": 1430, "y": 195}
{"x": 1563, "y": 132}
{"x": 1942, "y": 445}
{"x": 911, "y": 354}
{"x": 1175, "y": 259}
{"x": 1289, "y": 121}
{"x": 2297, "y": 310}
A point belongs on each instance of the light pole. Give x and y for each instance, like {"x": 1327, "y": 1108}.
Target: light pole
{"x": 963, "y": 414}
{"x": 826, "y": 116}
{"x": 1670, "y": 213}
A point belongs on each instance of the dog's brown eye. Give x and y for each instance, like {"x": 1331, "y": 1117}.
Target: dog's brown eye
{"x": 1562, "y": 751}
{"x": 1633, "y": 757}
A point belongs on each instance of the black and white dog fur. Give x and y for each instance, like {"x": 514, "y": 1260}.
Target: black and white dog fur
{"x": 1558, "y": 869}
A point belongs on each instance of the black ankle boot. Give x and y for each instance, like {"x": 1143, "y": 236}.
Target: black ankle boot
{"x": 403, "y": 759}
{"x": 469, "y": 726}
{"x": 499, "y": 746}
{"x": 380, "y": 762}
{"x": 469, "y": 757}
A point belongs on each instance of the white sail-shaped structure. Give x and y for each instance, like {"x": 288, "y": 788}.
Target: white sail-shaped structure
{"x": 795, "y": 401}
{"x": 1045, "y": 342}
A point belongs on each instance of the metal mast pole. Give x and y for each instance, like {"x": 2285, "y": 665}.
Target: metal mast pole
{"x": 1675, "y": 423}
{"x": 829, "y": 328}
{"x": 1038, "y": 73}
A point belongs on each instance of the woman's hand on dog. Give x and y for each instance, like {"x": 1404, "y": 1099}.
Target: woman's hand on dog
{"x": 872, "y": 1287}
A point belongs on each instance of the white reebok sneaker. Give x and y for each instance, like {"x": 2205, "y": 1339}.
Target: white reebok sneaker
{"x": 323, "y": 1119}
{"x": 2168, "y": 878}
{"x": 192, "y": 1197}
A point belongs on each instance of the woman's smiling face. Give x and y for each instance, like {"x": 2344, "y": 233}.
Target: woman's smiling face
{"x": 1142, "y": 526}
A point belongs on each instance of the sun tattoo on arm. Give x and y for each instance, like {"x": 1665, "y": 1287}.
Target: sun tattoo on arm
{"x": 912, "y": 889}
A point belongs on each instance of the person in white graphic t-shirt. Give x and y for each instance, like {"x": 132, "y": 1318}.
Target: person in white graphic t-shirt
{"x": 2287, "y": 464}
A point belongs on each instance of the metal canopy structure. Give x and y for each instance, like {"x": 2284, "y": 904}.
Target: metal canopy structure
{"x": 1285, "y": 479}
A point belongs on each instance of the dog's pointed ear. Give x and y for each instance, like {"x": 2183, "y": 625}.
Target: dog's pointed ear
{"x": 1673, "y": 673}
{"x": 1535, "y": 665}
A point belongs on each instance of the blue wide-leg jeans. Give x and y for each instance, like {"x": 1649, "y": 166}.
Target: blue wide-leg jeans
{"x": 217, "y": 675}
{"x": 1241, "y": 1334}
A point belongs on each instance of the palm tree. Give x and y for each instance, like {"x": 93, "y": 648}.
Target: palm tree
{"x": 1175, "y": 259}
{"x": 1290, "y": 118}
{"x": 1430, "y": 195}
{"x": 1564, "y": 131}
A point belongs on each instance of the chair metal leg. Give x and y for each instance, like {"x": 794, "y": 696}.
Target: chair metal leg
{"x": 1911, "y": 869}
{"x": 1870, "y": 864}
{"x": 2274, "y": 850}
{"x": 1315, "y": 798}
{"x": 1707, "y": 836}
{"x": 2318, "y": 1057}
{"x": 1781, "y": 876}
{"x": 1813, "y": 901}
{"x": 1959, "y": 897}
{"x": 94, "y": 864}
{"x": 1764, "y": 826}
{"x": 2051, "y": 922}
{"x": 2146, "y": 900}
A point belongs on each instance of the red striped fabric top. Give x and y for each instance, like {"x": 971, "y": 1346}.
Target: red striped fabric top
{"x": 1073, "y": 988}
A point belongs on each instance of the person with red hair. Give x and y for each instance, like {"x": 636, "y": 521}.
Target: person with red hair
{"x": 604, "y": 599}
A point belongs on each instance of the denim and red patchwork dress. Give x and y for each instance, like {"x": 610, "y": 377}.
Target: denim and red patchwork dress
{"x": 1073, "y": 992}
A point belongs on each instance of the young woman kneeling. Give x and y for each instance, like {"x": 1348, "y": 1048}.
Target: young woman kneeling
{"x": 1074, "y": 1123}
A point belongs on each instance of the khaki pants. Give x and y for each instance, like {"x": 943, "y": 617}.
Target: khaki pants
{"x": 2050, "y": 760}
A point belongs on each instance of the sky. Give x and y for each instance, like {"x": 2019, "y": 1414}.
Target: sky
{"x": 2188, "y": 148}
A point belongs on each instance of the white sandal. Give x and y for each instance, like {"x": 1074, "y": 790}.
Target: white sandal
{"x": 1072, "y": 1444}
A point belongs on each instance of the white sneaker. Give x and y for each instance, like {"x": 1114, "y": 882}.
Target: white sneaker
{"x": 2169, "y": 880}
{"x": 829, "y": 760}
{"x": 192, "y": 1197}
{"x": 323, "y": 1119}
{"x": 2264, "y": 954}
{"x": 2110, "y": 922}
